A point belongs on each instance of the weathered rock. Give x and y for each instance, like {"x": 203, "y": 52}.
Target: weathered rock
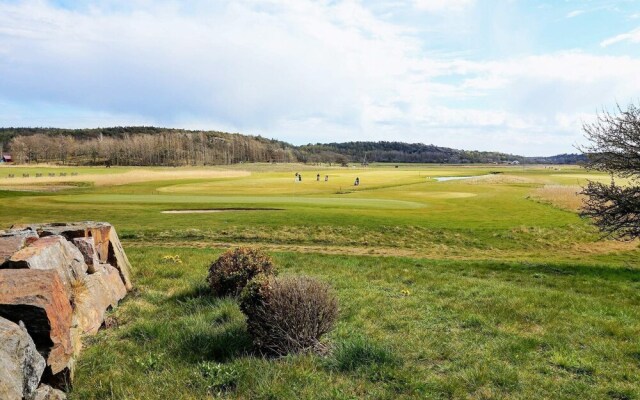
{"x": 102, "y": 290}
{"x": 46, "y": 392}
{"x": 87, "y": 247}
{"x": 118, "y": 258}
{"x": 21, "y": 365}
{"x": 99, "y": 231}
{"x": 106, "y": 242}
{"x": 13, "y": 241}
{"x": 39, "y": 299}
{"x": 52, "y": 253}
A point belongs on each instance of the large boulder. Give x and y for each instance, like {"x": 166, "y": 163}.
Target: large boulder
{"x": 13, "y": 241}
{"x": 102, "y": 291}
{"x": 21, "y": 366}
{"x": 39, "y": 299}
{"x": 106, "y": 242}
{"x": 52, "y": 253}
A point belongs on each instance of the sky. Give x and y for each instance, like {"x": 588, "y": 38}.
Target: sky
{"x": 517, "y": 76}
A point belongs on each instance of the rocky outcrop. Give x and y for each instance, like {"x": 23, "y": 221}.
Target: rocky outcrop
{"x": 38, "y": 298}
{"x": 58, "y": 281}
{"x": 106, "y": 242}
{"x": 21, "y": 366}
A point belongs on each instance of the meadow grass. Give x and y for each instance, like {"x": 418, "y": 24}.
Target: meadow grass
{"x": 481, "y": 288}
{"x": 408, "y": 329}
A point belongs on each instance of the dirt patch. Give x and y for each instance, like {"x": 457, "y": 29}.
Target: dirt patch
{"x": 218, "y": 210}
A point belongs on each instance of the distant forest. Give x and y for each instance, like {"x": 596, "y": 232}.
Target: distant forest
{"x": 175, "y": 147}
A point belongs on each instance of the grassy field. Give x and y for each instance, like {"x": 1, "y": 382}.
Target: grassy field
{"x": 483, "y": 288}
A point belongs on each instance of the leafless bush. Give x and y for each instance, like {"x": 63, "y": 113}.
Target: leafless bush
{"x": 290, "y": 314}
{"x": 615, "y": 148}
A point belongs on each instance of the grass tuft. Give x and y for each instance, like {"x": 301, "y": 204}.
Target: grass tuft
{"x": 359, "y": 352}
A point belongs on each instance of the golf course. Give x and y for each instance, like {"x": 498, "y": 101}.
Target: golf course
{"x": 488, "y": 286}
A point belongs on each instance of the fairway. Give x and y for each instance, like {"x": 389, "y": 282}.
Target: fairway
{"x": 275, "y": 200}
{"x": 485, "y": 287}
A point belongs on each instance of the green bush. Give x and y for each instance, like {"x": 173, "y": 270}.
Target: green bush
{"x": 229, "y": 274}
{"x": 288, "y": 315}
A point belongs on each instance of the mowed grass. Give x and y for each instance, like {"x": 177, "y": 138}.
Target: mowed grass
{"x": 483, "y": 288}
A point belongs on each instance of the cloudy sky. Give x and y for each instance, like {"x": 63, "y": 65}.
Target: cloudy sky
{"x": 510, "y": 75}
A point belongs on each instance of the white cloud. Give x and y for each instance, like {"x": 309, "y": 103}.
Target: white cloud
{"x": 575, "y": 13}
{"x": 632, "y": 36}
{"x": 298, "y": 70}
{"x": 443, "y": 5}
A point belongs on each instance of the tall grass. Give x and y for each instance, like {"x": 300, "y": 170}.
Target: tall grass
{"x": 567, "y": 197}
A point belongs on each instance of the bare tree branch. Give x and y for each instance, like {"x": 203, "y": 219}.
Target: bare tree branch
{"x": 614, "y": 148}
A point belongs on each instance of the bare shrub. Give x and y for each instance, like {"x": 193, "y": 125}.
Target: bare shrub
{"x": 614, "y": 148}
{"x": 288, "y": 315}
{"x": 229, "y": 274}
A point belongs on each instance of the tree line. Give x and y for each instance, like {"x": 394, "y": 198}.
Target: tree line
{"x": 143, "y": 146}
{"x": 173, "y": 147}
{"x": 400, "y": 152}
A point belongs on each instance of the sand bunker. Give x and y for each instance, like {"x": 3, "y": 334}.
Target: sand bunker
{"x": 451, "y": 178}
{"x": 218, "y": 210}
{"x": 440, "y": 195}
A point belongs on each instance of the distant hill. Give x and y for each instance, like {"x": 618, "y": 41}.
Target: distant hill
{"x": 161, "y": 146}
{"x": 399, "y": 152}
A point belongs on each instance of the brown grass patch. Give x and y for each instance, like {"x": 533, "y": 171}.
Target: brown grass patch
{"x": 569, "y": 252}
{"x": 561, "y": 196}
{"x": 607, "y": 246}
{"x": 133, "y": 176}
{"x": 38, "y": 188}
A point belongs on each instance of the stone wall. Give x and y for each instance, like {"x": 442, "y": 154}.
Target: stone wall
{"x": 57, "y": 281}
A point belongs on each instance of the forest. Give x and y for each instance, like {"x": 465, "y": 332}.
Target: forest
{"x": 174, "y": 147}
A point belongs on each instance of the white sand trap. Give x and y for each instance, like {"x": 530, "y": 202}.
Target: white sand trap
{"x": 218, "y": 210}
{"x": 454, "y": 178}
{"x": 440, "y": 195}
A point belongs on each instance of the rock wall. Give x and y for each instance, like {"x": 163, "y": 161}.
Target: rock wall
{"x": 57, "y": 281}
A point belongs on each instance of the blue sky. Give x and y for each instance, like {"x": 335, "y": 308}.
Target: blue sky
{"x": 511, "y": 75}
